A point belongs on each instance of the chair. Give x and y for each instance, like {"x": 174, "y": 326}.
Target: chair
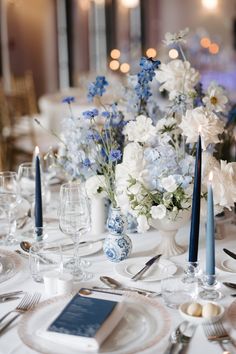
{"x": 18, "y": 108}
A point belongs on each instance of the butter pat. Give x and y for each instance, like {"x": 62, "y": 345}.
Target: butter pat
{"x": 194, "y": 309}
{"x": 210, "y": 310}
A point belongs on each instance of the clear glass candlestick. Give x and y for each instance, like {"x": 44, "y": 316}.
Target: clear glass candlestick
{"x": 210, "y": 288}
{"x": 192, "y": 271}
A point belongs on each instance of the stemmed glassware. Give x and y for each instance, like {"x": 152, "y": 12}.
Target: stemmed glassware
{"x": 74, "y": 221}
{"x": 9, "y": 198}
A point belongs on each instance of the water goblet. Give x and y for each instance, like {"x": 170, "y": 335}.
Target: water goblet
{"x": 9, "y": 199}
{"x": 74, "y": 220}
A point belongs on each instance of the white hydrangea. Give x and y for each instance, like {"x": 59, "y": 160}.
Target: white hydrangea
{"x": 215, "y": 99}
{"x": 172, "y": 38}
{"x": 177, "y": 77}
{"x": 140, "y": 130}
{"x": 93, "y": 186}
{"x": 200, "y": 119}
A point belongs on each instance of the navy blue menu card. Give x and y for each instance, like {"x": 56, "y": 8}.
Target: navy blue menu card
{"x": 86, "y": 321}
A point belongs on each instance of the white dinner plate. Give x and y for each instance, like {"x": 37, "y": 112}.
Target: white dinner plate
{"x": 86, "y": 250}
{"x": 225, "y": 263}
{"x": 146, "y": 323}
{"x": 11, "y": 264}
{"x": 159, "y": 270}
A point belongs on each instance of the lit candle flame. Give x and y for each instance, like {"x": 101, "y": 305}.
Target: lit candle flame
{"x": 199, "y": 129}
{"x": 210, "y": 176}
{"x": 36, "y": 150}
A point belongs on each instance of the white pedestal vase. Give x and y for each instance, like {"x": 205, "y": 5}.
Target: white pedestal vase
{"x": 98, "y": 215}
{"x": 168, "y": 229}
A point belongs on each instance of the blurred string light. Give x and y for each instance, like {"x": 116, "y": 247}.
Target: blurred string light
{"x": 151, "y": 53}
{"x": 125, "y": 68}
{"x": 115, "y": 54}
{"x": 114, "y": 65}
{"x": 210, "y": 4}
{"x": 130, "y": 3}
{"x": 173, "y": 53}
{"x": 214, "y": 48}
{"x": 205, "y": 42}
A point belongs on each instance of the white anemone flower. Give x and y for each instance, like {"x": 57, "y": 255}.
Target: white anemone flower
{"x": 173, "y": 38}
{"x": 177, "y": 77}
{"x": 215, "y": 99}
{"x": 200, "y": 119}
{"x": 95, "y": 186}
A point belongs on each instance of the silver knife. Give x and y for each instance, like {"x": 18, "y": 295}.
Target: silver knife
{"x": 229, "y": 253}
{"x": 148, "y": 264}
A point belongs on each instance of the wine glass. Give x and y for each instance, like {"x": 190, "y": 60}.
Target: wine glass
{"x": 74, "y": 220}
{"x": 9, "y": 198}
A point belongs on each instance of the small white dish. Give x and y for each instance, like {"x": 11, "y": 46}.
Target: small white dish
{"x": 158, "y": 271}
{"x": 200, "y": 320}
{"x": 229, "y": 265}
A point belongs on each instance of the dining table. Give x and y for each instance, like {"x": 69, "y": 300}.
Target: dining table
{"x": 12, "y": 341}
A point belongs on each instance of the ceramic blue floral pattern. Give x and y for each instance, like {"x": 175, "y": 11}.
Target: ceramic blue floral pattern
{"x": 117, "y": 245}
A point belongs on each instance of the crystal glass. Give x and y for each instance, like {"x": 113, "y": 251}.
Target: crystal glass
{"x": 74, "y": 220}
{"x": 9, "y": 199}
{"x": 210, "y": 288}
{"x": 177, "y": 290}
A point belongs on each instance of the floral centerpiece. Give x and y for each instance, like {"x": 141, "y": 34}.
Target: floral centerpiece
{"x": 155, "y": 178}
{"x": 141, "y": 157}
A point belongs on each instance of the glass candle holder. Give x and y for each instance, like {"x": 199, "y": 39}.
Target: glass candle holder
{"x": 210, "y": 287}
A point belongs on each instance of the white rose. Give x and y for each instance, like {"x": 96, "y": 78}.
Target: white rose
{"x": 143, "y": 225}
{"x": 94, "y": 184}
{"x": 133, "y": 157}
{"x": 169, "y": 184}
{"x": 158, "y": 211}
{"x": 177, "y": 77}
{"x": 140, "y": 130}
{"x": 200, "y": 118}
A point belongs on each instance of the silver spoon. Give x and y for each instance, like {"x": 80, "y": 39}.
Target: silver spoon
{"x": 25, "y": 245}
{"x": 114, "y": 284}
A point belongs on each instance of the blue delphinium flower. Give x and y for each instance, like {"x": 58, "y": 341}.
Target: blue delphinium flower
{"x": 97, "y": 88}
{"x": 90, "y": 114}
{"x": 115, "y": 155}
{"x": 93, "y": 135}
{"x": 145, "y": 76}
{"x": 87, "y": 162}
{"x": 68, "y": 99}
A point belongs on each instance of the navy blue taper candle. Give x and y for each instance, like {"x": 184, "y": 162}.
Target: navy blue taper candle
{"x": 196, "y": 203}
{"x": 38, "y": 210}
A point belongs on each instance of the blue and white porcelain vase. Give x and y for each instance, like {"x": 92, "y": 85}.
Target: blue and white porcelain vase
{"x": 117, "y": 245}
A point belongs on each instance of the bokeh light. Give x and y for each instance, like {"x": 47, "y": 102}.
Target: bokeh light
{"x": 214, "y": 48}
{"x": 205, "y": 42}
{"x": 125, "y": 68}
{"x": 173, "y": 53}
{"x": 151, "y": 53}
{"x": 210, "y": 4}
{"x": 115, "y": 54}
{"x": 114, "y": 65}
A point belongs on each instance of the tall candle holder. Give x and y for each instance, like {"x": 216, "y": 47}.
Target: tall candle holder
{"x": 210, "y": 287}
{"x": 192, "y": 272}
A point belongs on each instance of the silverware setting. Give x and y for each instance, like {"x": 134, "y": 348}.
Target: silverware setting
{"x": 27, "y": 303}
{"x": 147, "y": 266}
{"x": 180, "y": 338}
{"x": 8, "y": 298}
{"x": 216, "y": 332}
{"x": 114, "y": 284}
{"x": 12, "y": 293}
{"x": 89, "y": 291}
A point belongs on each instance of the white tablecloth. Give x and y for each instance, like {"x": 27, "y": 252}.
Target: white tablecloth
{"x": 143, "y": 245}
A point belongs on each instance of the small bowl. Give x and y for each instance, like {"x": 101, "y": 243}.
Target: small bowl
{"x": 200, "y": 320}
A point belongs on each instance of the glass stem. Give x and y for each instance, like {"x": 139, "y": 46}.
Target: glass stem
{"x": 76, "y": 253}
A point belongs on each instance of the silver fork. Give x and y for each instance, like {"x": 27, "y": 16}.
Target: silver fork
{"x": 26, "y": 304}
{"x": 216, "y": 332}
